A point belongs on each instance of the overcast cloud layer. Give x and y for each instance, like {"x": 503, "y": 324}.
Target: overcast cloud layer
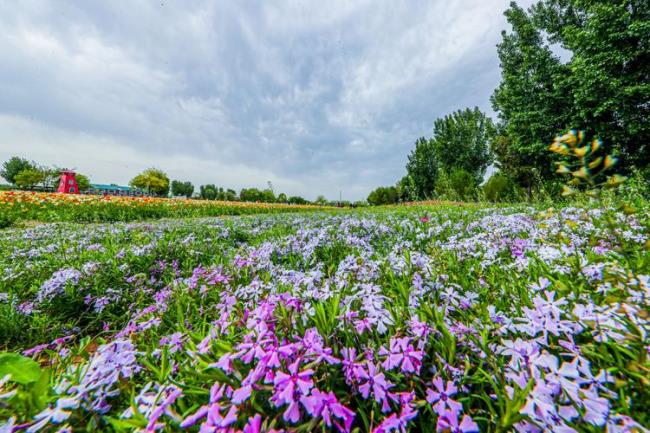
{"x": 314, "y": 96}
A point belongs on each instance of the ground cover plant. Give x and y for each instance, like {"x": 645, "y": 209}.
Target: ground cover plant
{"x": 430, "y": 318}
{"x": 38, "y": 206}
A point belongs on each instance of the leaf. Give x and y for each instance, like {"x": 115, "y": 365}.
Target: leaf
{"x": 22, "y": 370}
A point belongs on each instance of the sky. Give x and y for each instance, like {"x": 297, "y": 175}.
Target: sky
{"x": 315, "y": 97}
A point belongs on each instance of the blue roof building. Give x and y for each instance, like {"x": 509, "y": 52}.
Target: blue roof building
{"x": 112, "y": 189}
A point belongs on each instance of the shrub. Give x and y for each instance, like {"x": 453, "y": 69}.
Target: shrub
{"x": 501, "y": 188}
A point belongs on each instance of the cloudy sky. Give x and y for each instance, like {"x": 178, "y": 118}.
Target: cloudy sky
{"x": 314, "y": 96}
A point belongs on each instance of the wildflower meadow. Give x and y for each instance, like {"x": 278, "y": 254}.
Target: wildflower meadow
{"x": 420, "y": 318}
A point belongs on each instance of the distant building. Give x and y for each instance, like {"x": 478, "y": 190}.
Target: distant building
{"x": 68, "y": 183}
{"x": 112, "y": 189}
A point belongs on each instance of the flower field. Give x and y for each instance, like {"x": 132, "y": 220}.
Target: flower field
{"x": 439, "y": 318}
{"x": 96, "y": 208}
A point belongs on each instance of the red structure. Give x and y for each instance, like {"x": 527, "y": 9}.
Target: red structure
{"x": 68, "y": 183}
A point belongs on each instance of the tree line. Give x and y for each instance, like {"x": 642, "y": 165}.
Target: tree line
{"x": 25, "y": 174}
{"x": 601, "y": 85}
{"x": 29, "y": 175}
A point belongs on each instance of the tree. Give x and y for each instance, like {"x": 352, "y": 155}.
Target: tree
{"x": 29, "y": 178}
{"x": 609, "y": 78}
{"x": 383, "y": 195}
{"x": 82, "y": 181}
{"x": 422, "y": 168}
{"x": 532, "y": 99}
{"x": 250, "y": 194}
{"x": 267, "y": 196}
{"x": 297, "y": 200}
{"x": 282, "y": 198}
{"x": 182, "y": 188}
{"x": 406, "y": 189}
{"x": 500, "y": 187}
{"x": 603, "y": 89}
{"x": 15, "y": 165}
{"x": 152, "y": 180}
{"x": 321, "y": 200}
{"x": 52, "y": 176}
{"x": 231, "y": 195}
{"x": 208, "y": 192}
{"x": 461, "y": 141}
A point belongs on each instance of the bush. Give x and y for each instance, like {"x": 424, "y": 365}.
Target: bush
{"x": 383, "y": 195}
{"x": 501, "y": 188}
{"x": 458, "y": 185}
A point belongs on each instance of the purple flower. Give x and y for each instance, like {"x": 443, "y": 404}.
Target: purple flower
{"x": 55, "y": 415}
{"x": 440, "y": 397}
{"x": 397, "y": 423}
{"x": 402, "y": 354}
{"x": 289, "y": 388}
{"x": 375, "y": 382}
{"x": 57, "y": 282}
{"x": 325, "y": 405}
{"x": 314, "y": 347}
{"x": 448, "y": 423}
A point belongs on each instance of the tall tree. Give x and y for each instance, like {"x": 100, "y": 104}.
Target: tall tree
{"x": 461, "y": 141}
{"x": 422, "y": 168}
{"x": 152, "y": 180}
{"x": 182, "y": 188}
{"x": 609, "y": 78}
{"x": 15, "y": 165}
{"x": 532, "y": 99}
{"x": 208, "y": 192}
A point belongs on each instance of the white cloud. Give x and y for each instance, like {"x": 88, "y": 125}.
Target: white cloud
{"x": 314, "y": 97}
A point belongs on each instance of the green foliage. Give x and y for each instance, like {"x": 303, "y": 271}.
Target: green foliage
{"x": 604, "y": 88}
{"x": 297, "y": 200}
{"x": 282, "y": 198}
{"x": 461, "y": 141}
{"x": 464, "y": 183}
{"x": 458, "y": 185}
{"x": 208, "y": 192}
{"x": 30, "y": 177}
{"x": 383, "y": 195}
{"x": 501, "y": 188}
{"x": 15, "y": 165}
{"x": 22, "y": 370}
{"x": 82, "y": 181}
{"x": 152, "y": 180}
{"x": 422, "y": 168}
{"x": 608, "y": 81}
{"x": 531, "y": 100}
{"x": 257, "y": 195}
{"x": 406, "y": 190}
{"x": 320, "y": 200}
{"x": 185, "y": 189}
{"x": 7, "y": 219}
